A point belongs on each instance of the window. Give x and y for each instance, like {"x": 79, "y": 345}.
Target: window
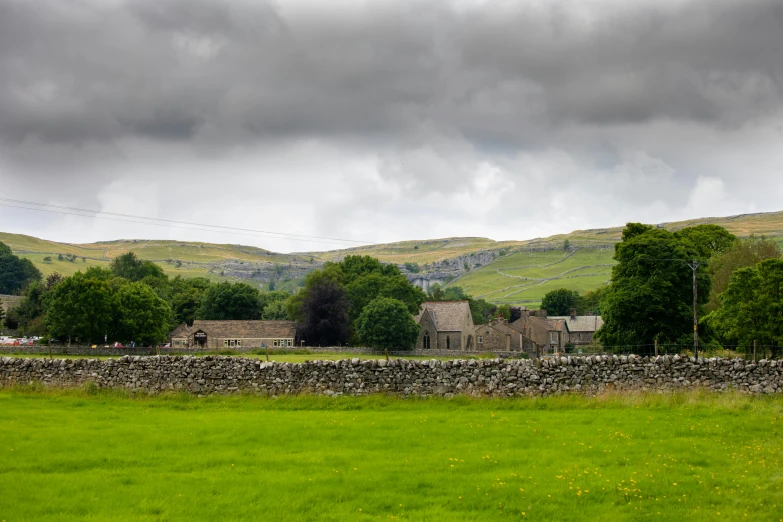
{"x": 448, "y": 342}
{"x": 425, "y": 341}
{"x": 232, "y": 343}
{"x": 289, "y": 342}
{"x": 480, "y": 339}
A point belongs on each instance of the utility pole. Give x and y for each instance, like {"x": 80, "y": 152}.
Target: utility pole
{"x": 695, "y": 265}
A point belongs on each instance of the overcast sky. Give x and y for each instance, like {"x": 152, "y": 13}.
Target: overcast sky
{"x": 387, "y": 120}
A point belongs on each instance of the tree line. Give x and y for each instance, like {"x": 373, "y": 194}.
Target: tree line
{"x": 132, "y": 300}
{"x": 650, "y": 296}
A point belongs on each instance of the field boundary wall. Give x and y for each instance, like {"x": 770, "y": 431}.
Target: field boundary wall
{"x": 405, "y": 377}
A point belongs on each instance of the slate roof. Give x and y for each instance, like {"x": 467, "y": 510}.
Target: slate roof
{"x": 503, "y": 327}
{"x": 449, "y": 316}
{"x": 241, "y": 329}
{"x": 581, "y": 323}
{"x": 548, "y": 323}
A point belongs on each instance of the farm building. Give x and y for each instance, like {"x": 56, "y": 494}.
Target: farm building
{"x": 498, "y": 336}
{"x": 9, "y": 301}
{"x": 581, "y": 328}
{"x": 540, "y": 334}
{"x": 445, "y": 325}
{"x": 218, "y": 335}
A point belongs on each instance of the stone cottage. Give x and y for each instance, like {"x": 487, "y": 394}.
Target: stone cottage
{"x": 580, "y": 328}
{"x": 218, "y": 335}
{"x": 445, "y": 325}
{"x": 498, "y": 336}
{"x": 540, "y": 335}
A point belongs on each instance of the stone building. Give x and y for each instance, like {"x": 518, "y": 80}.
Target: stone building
{"x": 218, "y": 335}
{"x": 498, "y": 336}
{"x": 9, "y": 301}
{"x": 445, "y": 325}
{"x": 581, "y": 328}
{"x": 540, "y": 335}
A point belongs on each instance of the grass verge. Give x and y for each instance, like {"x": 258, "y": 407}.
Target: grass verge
{"x": 91, "y": 454}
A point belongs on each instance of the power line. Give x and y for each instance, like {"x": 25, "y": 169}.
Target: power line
{"x": 172, "y": 223}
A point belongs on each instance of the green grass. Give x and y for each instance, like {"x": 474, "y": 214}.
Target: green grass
{"x": 87, "y": 455}
{"x": 525, "y": 277}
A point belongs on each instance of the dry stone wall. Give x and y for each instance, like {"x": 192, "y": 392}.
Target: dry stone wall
{"x": 500, "y": 378}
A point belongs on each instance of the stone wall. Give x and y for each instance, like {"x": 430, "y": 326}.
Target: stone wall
{"x": 499, "y": 378}
{"x": 101, "y": 351}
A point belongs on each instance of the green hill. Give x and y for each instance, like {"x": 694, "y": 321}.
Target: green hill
{"x": 511, "y": 272}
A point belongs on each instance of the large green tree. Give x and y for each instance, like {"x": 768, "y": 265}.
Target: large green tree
{"x": 185, "y": 297}
{"x": 141, "y": 315}
{"x": 363, "y": 279}
{"x": 227, "y": 301}
{"x": 752, "y": 307}
{"x": 15, "y": 273}
{"x": 651, "y": 295}
{"x": 706, "y": 241}
{"x": 561, "y": 301}
{"x": 745, "y": 252}
{"x": 130, "y": 267}
{"x": 386, "y": 323}
{"x": 275, "y": 311}
{"x": 80, "y": 307}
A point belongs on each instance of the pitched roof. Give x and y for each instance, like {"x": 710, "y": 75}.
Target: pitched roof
{"x": 582, "y": 323}
{"x": 243, "y": 329}
{"x": 449, "y": 316}
{"x": 541, "y": 322}
{"x": 180, "y": 331}
{"x": 501, "y": 326}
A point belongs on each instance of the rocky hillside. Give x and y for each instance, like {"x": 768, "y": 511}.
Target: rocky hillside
{"x": 516, "y": 272}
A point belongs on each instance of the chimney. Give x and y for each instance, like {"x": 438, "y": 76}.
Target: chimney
{"x": 573, "y": 314}
{"x": 542, "y": 313}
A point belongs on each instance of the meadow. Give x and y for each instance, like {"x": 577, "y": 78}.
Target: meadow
{"x": 99, "y": 455}
{"x": 525, "y": 277}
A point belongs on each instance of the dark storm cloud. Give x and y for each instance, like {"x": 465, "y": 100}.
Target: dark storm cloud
{"x": 221, "y": 72}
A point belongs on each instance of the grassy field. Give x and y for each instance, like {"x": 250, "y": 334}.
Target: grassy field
{"x": 78, "y": 455}
{"x": 525, "y": 277}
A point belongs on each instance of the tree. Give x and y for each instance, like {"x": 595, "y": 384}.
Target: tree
{"x": 651, "y": 291}
{"x": 227, "y": 301}
{"x": 52, "y": 279}
{"x": 385, "y": 323}
{"x": 566, "y": 245}
{"x": 80, "y": 307}
{"x": 752, "y": 306}
{"x": 325, "y": 314}
{"x": 268, "y": 298}
{"x": 746, "y": 252}
{"x": 15, "y": 273}
{"x": 185, "y": 297}
{"x": 130, "y": 267}
{"x": 275, "y": 311}
{"x": 561, "y": 301}
{"x": 28, "y": 313}
{"x": 365, "y": 288}
{"x": 141, "y": 315}
{"x": 707, "y": 240}
{"x": 504, "y": 311}
{"x": 2, "y": 314}
{"x": 591, "y": 301}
